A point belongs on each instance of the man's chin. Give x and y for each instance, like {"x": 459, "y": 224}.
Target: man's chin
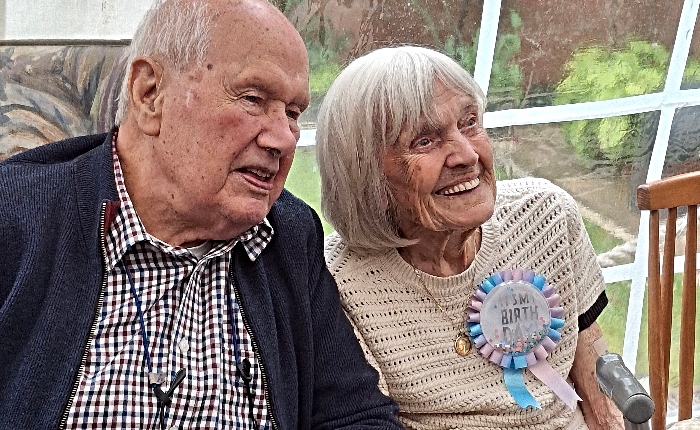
{"x": 250, "y": 216}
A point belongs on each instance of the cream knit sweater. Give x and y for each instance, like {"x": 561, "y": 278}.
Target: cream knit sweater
{"x": 409, "y": 340}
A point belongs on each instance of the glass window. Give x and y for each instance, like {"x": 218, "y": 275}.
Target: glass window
{"x": 683, "y": 151}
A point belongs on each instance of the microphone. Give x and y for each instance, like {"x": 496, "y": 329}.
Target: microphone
{"x": 166, "y": 398}
{"x": 618, "y": 383}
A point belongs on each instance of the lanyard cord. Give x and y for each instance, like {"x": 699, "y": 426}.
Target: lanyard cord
{"x": 141, "y": 322}
{"x": 163, "y": 398}
{"x": 242, "y": 367}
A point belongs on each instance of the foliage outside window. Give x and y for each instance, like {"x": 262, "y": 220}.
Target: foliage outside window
{"x": 506, "y": 75}
{"x": 598, "y": 73}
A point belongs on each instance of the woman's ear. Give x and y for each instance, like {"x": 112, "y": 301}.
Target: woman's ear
{"x": 145, "y": 79}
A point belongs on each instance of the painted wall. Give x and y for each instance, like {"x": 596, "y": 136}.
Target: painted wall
{"x": 70, "y": 19}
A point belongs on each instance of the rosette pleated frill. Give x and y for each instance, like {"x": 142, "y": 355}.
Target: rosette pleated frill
{"x": 513, "y": 319}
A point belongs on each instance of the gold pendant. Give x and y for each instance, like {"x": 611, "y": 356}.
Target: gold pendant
{"x": 462, "y": 344}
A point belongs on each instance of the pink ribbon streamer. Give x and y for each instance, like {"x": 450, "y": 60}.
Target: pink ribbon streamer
{"x": 549, "y": 377}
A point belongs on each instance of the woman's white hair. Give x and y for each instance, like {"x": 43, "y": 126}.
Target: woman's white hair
{"x": 175, "y": 30}
{"x": 372, "y": 101}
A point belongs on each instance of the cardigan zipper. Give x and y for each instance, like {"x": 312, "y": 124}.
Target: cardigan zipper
{"x": 255, "y": 348}
{"x": 93, "y": 327}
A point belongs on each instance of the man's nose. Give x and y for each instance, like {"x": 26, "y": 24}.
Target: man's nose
{"x": 279, "y": 133}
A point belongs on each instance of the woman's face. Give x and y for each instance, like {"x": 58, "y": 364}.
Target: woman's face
{"x": 441, "y": 172}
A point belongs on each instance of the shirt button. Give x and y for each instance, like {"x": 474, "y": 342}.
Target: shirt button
{"x": 184, "y": 346}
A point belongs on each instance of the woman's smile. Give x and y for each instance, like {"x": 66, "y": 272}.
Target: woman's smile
{"x": 459, "y": 188}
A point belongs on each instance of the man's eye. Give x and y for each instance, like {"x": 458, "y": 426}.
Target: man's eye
{"x": 292, "y": 114}
{"x": 252, "y": 99}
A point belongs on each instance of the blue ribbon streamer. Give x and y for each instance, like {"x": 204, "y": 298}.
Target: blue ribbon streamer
{"x": 516, "y": 386}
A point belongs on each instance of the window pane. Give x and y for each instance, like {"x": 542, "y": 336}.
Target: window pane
{"x": 603, "y": 186}
{"x": 337, "y": 32}
{"x": 692, "y": 70}
{"x": 571, "y": 52}
{"x": 304, "y": 181}
{"x": 613, "y": 319}
{"x": 683, "y": 153}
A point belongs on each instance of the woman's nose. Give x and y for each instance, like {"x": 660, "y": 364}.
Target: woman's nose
{"x": 462, "y": 151}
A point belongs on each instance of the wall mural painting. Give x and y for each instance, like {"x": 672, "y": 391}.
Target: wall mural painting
{"x": 49, "y": 93}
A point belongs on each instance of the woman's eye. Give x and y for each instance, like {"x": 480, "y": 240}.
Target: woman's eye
{"x": 468, "y": 125}
{"x": 422, "y": 142}
{"x": 469, "y": 121}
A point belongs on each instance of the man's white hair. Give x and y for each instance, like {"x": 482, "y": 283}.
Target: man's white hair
{"x": 178, "y": 31}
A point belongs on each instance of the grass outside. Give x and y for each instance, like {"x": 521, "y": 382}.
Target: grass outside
{"x": 614, "y": 317}
{"x": 304, "y": 182}
{"x": 601, "y": 240}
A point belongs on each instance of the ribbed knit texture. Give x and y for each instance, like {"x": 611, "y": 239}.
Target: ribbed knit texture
{"x": 536, "y": 225}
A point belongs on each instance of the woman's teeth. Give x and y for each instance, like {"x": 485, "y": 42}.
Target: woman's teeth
{"x": 464, "y": 186}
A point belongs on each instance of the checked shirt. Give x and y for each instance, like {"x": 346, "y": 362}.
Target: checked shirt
{"x": 185, "y": 306}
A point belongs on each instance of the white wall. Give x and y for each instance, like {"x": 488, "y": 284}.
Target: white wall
{"x": 71, "y": 19}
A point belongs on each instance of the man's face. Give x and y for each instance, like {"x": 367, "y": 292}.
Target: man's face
{"x": 229, "y": 127}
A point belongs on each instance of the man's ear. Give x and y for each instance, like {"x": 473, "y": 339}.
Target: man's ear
{"x": 145, "y": 82}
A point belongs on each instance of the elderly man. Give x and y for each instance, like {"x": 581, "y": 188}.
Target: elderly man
{"x": 159, "y": 276}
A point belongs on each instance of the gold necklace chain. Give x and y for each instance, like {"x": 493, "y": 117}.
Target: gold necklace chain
{"x": 462, "y": 343}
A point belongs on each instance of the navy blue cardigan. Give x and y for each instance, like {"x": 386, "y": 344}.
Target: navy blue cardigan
{"x": 51, "y": 277}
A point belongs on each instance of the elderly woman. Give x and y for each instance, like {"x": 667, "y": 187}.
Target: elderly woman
{"x": 475, "y": 300}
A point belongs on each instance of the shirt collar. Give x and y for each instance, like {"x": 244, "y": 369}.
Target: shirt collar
{"x": 127, "y": 229}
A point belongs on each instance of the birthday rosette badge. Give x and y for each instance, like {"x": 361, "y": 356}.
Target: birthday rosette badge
{"x": 513, "y": 318}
